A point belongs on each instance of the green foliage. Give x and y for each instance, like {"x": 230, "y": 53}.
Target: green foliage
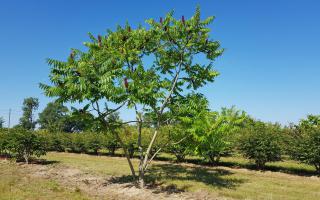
{"x": 113, "y": 71}
{"x": 184, "y": 112}
{"x": 29, "y": 106}
{"x": 214, "y": 132}
{"x": 4, "y": 142}
{"x": 23, "y": 144}
{"x": 111, "y": 143}
{"x": 53, "y": 117}
{"x": 261, "y": 142}
{"x": 180, "y": 142}
{"x": 94, "y": 142}
{"x": 78, "y": 143}
{"x": 305, "y": 142}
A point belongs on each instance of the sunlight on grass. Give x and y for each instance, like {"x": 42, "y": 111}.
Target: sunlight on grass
{"x": 220, "y": 181}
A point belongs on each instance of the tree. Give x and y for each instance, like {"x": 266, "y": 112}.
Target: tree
{"x": 29, "y": 106}
{"x": 261, "y": 143}
{"x": 114, "y": 72}
{"x": 1, "y": 122}
{"x": 213, "y": 132}
{"x": 53, "y": 117}
{"x": 305, "y": 142}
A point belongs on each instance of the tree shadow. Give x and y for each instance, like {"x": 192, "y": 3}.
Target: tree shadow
{"x": 284, "y": 169}
{"x": 249, "y": 165}
{"x": 43, "y": 161}
{"x": 159, "y": 176}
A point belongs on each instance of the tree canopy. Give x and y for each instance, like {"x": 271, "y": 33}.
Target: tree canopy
{"x": 144, "y": 69}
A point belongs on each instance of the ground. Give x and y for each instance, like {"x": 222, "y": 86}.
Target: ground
{"x": 81, "y": 176}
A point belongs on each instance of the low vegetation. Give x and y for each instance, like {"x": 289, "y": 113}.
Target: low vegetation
{"x": 219, "y": 182}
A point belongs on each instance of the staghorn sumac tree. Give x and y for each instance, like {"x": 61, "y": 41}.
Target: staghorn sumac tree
{"x": 140, "y": 69}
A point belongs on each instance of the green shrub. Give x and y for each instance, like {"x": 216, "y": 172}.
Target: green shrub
{"x": 110, "y": 142}
{"x": 94, "y": 142}
{"x": 23, "y": 144}
{"x": 261, "y": 143}
{"x": 78, "y": 143}
{"x": 305, "y": 143}
{"x": 4, "y": 142}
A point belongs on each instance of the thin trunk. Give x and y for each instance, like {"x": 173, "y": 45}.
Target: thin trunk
{"x": 146, "y": 156}
{"x": 127, "y": 155}
{"x": 140, "y": 149}
{"x": 26, "y": 157}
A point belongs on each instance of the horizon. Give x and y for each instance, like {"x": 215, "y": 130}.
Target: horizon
{"x": 269, "y": 69}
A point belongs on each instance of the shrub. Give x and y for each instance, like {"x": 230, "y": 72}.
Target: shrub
{"x": 23, "y": 144}
{"x": 111, "y": 143}
{"x": 4, "y": 143}
{"x": 78, "y": 144}
{"x": 305, "y": 143}
{"x": 93, "y": 142}
{"x": 55, "y": 141}
{"x": 261, "y": 143}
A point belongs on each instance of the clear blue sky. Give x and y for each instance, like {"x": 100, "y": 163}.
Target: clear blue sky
{"x": 270, "y": 68}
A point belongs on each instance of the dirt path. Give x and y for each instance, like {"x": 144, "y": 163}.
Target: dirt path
{"x": 98, "y": 187}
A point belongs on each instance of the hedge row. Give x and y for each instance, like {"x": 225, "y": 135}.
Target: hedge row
{"x": 259, "y": 142}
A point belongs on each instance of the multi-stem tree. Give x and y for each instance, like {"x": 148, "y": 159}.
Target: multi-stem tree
{"x": 141, "y": 69}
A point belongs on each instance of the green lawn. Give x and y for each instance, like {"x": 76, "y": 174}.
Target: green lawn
{"x": 220, "y": 181}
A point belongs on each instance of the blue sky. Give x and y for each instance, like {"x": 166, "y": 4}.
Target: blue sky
{"x": 270, "y": 68}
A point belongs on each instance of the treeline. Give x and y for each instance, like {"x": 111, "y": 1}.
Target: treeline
{"x": 232, "y": 132}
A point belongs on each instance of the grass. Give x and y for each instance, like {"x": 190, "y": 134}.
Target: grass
{"x": 17, "y": 184}
{"x": 229, "y": 182}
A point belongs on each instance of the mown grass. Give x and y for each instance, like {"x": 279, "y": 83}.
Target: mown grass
{"x": 223, "y": 181}
{"x": 17, "y": 184}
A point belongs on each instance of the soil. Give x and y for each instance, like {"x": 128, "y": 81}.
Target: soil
{"x": 99, "y": 187}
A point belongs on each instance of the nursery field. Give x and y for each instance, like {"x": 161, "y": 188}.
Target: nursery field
{"x": 82, "y": 176}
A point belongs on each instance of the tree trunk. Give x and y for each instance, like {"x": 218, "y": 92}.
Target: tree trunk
{"x": 140, "y": 149}
{"x": 25, "y": 156}
{"x": 146, "y": 156}
{"x": 127, "y": 156}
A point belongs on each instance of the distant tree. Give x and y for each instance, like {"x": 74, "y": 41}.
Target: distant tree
{"x": 53, "y": 117}
{"x": 29, "y": 106}
{"x": 1, "y": 122}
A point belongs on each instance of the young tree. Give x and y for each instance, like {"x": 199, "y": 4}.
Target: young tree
{"x": 114, "y": 73}
{"x": 213, "y": 132}
{"x": 29, "y": 106}
{"x": 53, "y": 117}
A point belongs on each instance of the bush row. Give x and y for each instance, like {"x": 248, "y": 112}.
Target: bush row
{"x": 260, "y": 142}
